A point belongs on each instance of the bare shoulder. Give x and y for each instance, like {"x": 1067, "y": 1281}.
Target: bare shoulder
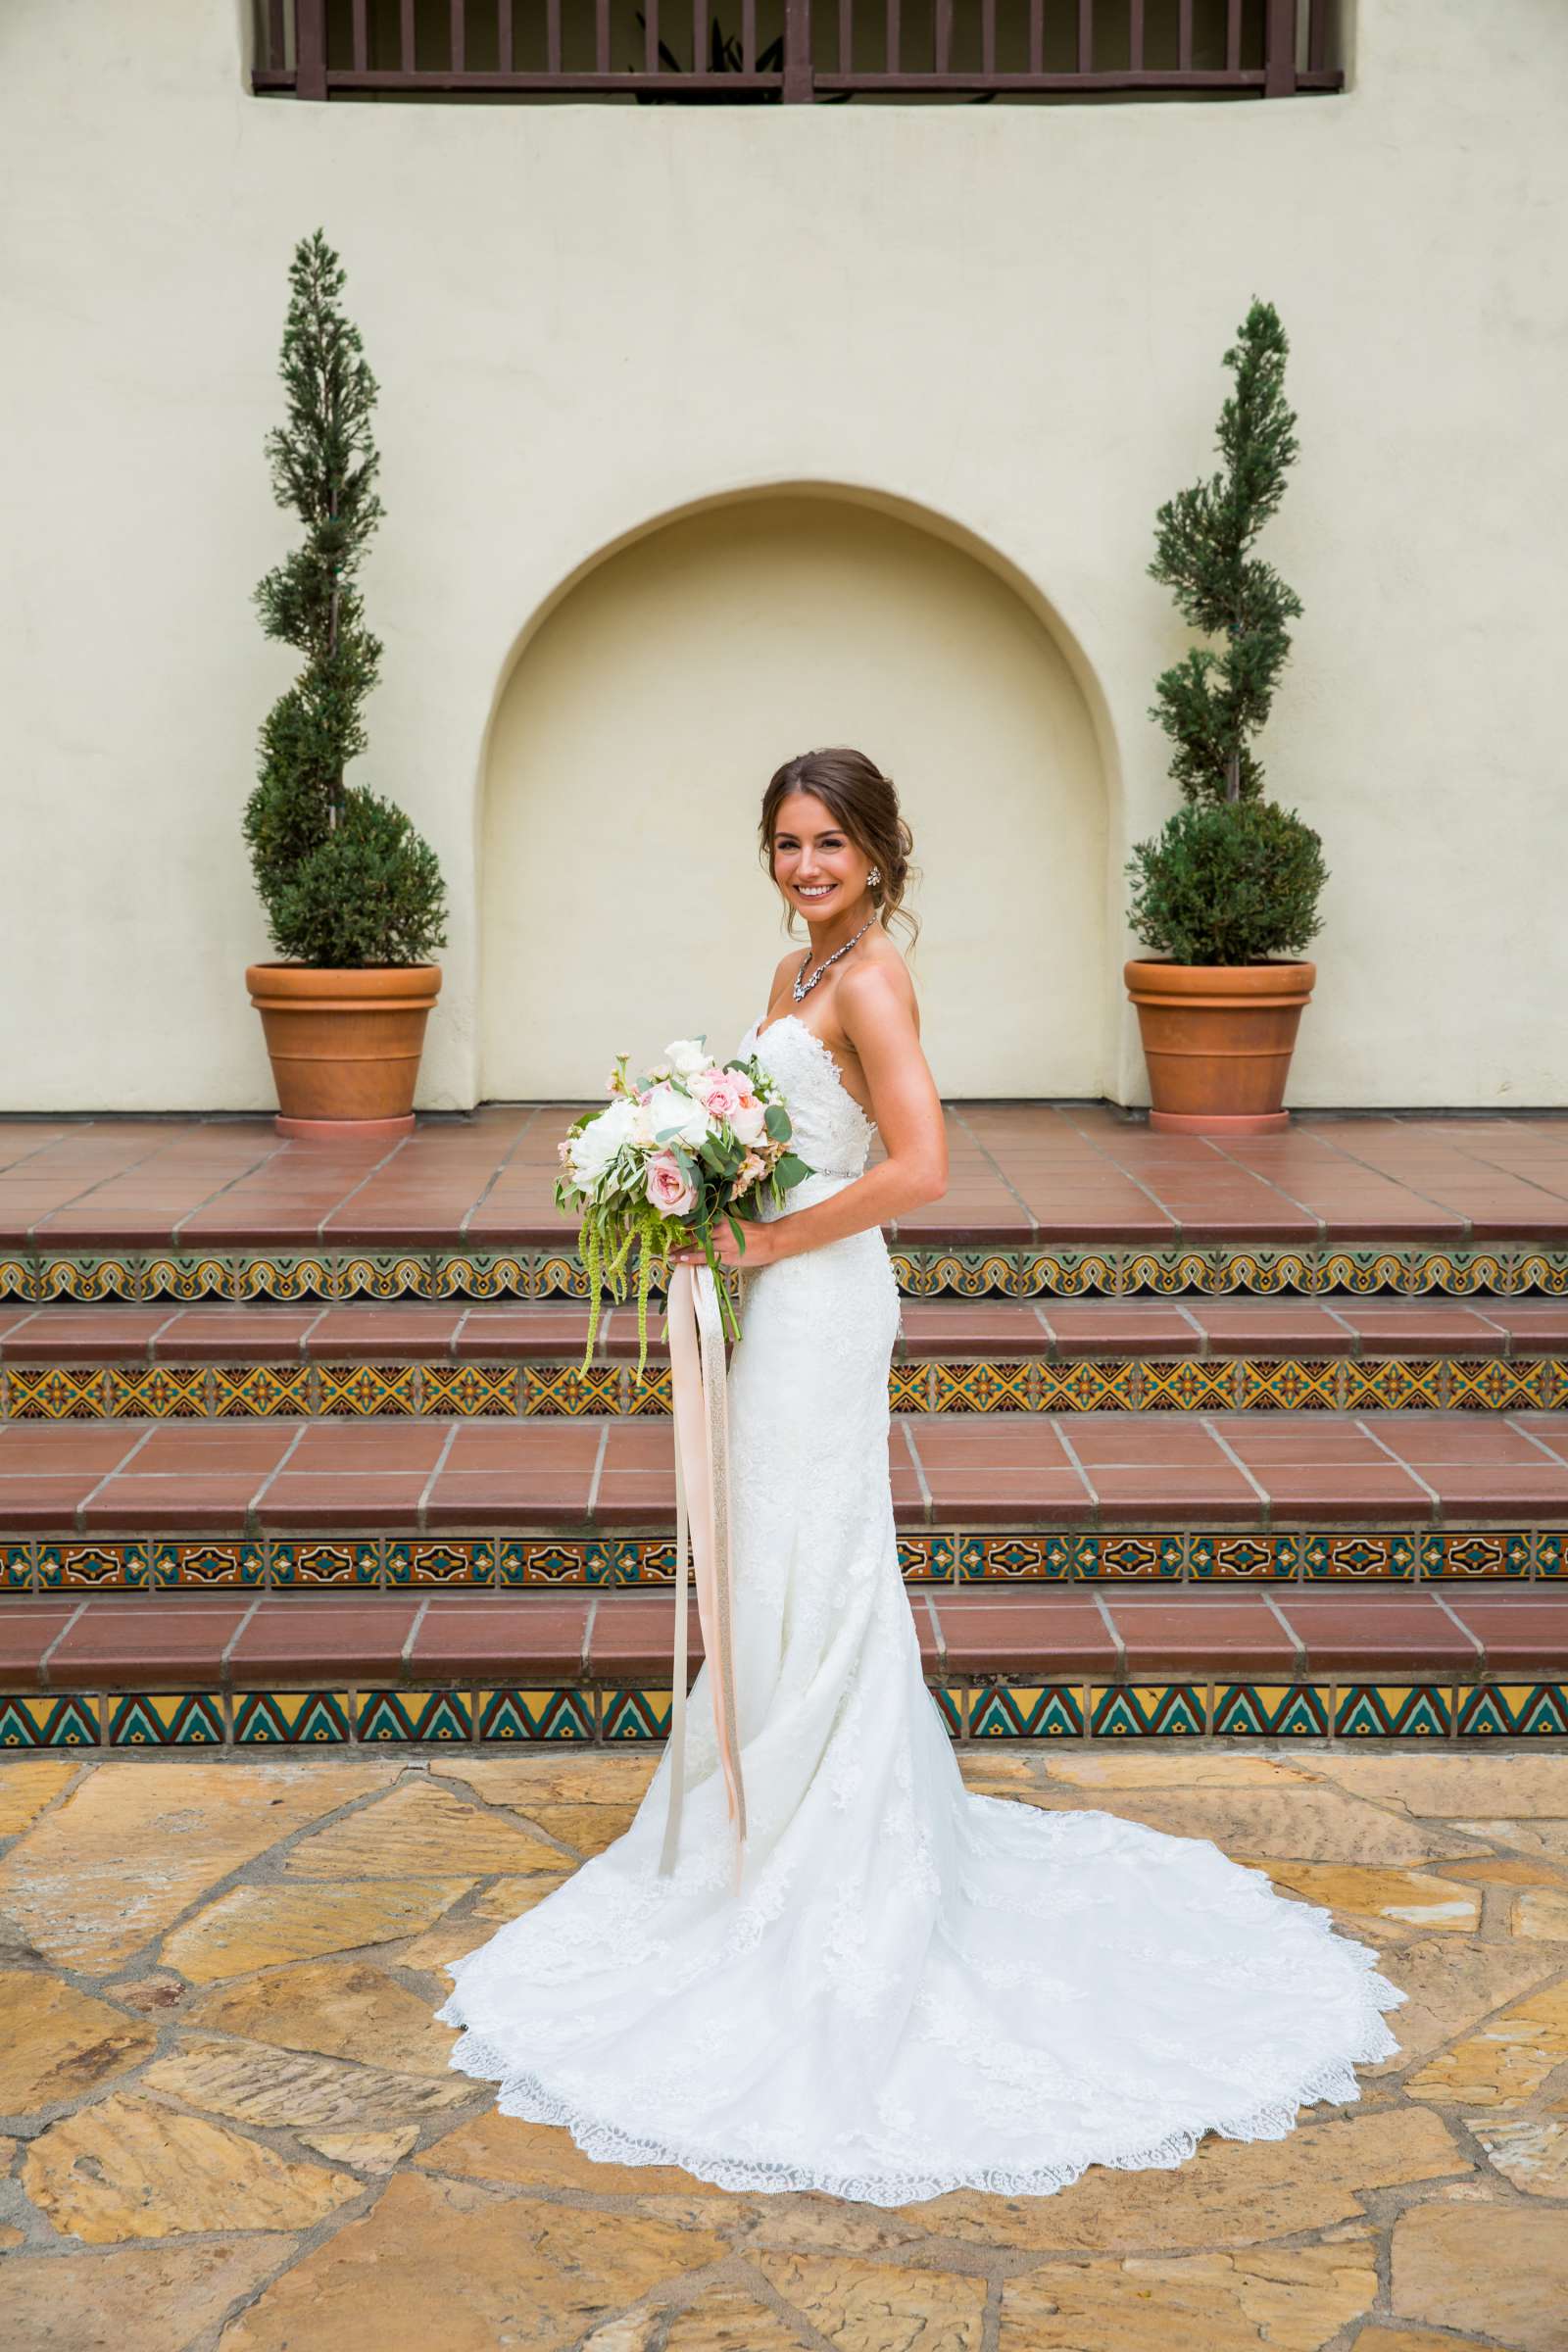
{"x": 878, "y": 993}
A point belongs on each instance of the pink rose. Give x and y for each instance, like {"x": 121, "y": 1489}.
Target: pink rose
{"x": 722, "y": 1093}
{"x": 667, "y": 1189}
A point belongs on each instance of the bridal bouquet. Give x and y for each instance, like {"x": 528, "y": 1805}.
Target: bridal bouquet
{"x": 688, "y": 1143}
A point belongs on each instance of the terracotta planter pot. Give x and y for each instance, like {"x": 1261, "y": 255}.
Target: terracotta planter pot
{"x": 345, "y": 1045}
{"x": 1218, "y": 1040}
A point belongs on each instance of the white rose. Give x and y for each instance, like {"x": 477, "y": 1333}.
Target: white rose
{"x": 667, "y": 1108}
{"x": 687, "y": 1055}
{"x": 749, "y": 1124}
{"x": 593, "y": 1149}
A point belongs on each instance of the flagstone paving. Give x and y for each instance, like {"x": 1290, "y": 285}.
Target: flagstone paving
{"x": 229, "y": 2124}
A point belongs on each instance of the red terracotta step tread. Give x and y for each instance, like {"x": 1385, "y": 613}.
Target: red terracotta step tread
{"x": 112, "y": 1642}
{"x": 1083, "y": 1470}
{"x": 1082, "y": 1173}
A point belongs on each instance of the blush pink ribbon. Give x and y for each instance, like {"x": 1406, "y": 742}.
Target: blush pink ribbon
{"x": 700, "y": 1415}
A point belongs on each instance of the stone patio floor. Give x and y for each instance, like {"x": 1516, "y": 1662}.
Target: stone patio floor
{"x": 233, "y": 2126}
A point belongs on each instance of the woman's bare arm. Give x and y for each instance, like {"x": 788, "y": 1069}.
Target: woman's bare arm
{"x": 878, "y": 1018}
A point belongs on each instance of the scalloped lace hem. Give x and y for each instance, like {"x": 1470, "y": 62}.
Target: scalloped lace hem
{"x": 527, "y": 2098}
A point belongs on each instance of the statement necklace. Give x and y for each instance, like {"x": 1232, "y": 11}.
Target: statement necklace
{"x": 803, "y": 986}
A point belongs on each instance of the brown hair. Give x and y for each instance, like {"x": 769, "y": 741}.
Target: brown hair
{"x": 864, "y": 802}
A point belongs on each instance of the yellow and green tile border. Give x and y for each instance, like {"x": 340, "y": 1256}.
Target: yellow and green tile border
{"x": 1020, "y": 1270}
{"x": 375, "y": 1563}
{"x": 1428, "y": 1708}
{"x": 554, "y": 1391}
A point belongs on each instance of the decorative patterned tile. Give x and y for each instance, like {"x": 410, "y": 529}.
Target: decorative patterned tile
{"x": 291, "y": 1717}
{"x": 1514, "y": 1711}
{"x": 400, "y": 1716}
{"x": 1126, "y": 1557}
{"x": 1272, "y": 1710}
{"x": 54, "y": 1392}
{"x": 1451, "y": 1555}
{"x": 159, "y": 1392}
{"x": 349, "y": 1561}
{"x": 366, "y": 1390}
{"x": 909, "y": 1387}
{"x": 927, "y": 1559}
{"x": 1390, "y": 1558}
{"x": 635, "y": 1714}
{"x": 568, "y": 1560}
{"x": 1187, "y": 1385}
{"x": 948, "y": 1704}
{"x": 1393, "y": 1385}
{"x": 192, "y": 1566}
{"x": 650, "y": 1393}
{"x": 1086, "y": 1387}
{"x": 1019, "y": 1559}
{"x": 1551, "y": 1553}
{"x": 1289, "y": 1386}
{"x": 569, "y": 1394}
{"x": 71, "y": 1720}
{"x": 1145, "y": 1710}
{"x": 16, "y": 1567}
{"x": 980, "y": 1387}
{"x": 166, "y": 1719}
{"x": 259, "y": 1391}
{"x": 476, "y": 1392}
{"x": 1393, "y": 1711}
{"x": 1501, "y": 1385}
{"x": 1026, "y": 1711}
{"x": 1009, "y": 1271}
{"x": 486, "y": 1274}
{"x": 463, "y": 1560}
{"x": 1258, "y": 1559}
{"x": 92, "y": 1567}
{"x": 530, "y": 1715}
{"x": 192, "y": 1278}
{"x": 88, "y": 1277}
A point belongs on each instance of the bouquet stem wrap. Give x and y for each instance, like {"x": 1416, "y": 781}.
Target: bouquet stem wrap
{"x": 696, "y": 1337}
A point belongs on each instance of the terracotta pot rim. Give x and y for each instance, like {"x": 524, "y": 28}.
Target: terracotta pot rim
{"x": 342, "y": 971}
{"x": 1264, "y": 964}
{"x": 1164, "y": 981}
{"x": 307, "y": 987}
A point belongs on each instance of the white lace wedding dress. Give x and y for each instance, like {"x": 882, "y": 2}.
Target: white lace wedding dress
{"x": 919, "y": 1988}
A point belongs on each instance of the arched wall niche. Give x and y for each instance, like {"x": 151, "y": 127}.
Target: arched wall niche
{"x": 623, "y": 897}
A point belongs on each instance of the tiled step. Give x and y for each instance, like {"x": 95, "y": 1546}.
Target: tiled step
{"x": 417, "y": 1359}
{"x": 371, "y": 1669}
{"x": 290, "y": 1504}
{"x": 1042, "y": 1199}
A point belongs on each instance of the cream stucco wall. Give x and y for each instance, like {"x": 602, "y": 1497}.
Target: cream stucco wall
{"x": 645, "y": 717}
{"x": 1005, "y": 318}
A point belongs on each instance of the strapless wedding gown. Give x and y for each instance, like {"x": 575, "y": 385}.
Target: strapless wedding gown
{"x": 917, "y": 1989}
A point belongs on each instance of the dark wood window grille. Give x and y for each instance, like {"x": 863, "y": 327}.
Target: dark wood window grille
{"x": 794, "y": 52}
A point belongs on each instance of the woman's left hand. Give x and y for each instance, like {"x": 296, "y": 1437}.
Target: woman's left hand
{"x": 762, "y": 1247}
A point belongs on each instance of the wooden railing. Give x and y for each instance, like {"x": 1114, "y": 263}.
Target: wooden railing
{"x": 729, "y": 51}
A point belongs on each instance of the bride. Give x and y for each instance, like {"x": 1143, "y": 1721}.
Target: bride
{"x": 917, "y": 1989}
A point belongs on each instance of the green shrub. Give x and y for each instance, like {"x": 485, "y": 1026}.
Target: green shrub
{"x": 1231, "y": 882}
{"x": 344, "y": 879}
{"x": 1233, "y": 878}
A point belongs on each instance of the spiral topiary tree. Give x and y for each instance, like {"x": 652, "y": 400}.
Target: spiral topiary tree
{"x": 343, "y": 877}
{"x": 1232, "y": 878}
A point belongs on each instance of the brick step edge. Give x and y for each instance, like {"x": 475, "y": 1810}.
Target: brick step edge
{"x": 1204, "y": 1711}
